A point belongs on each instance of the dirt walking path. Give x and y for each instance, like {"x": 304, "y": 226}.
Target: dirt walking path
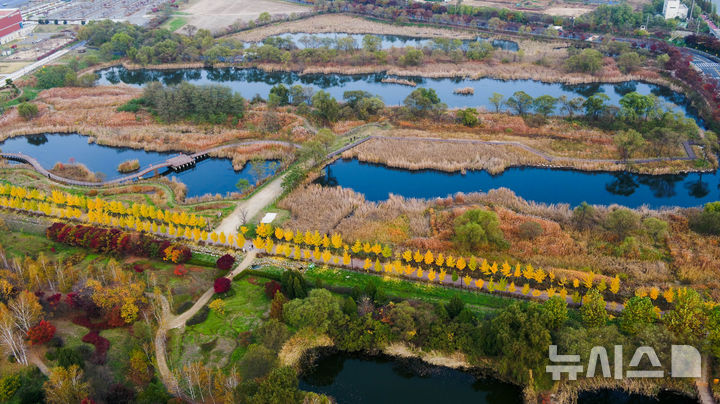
{"x": 35, "y": 360}
{"x": 170, "y": 321}
{"x": 704, "y": 391}
{"x": 247, "y": 209}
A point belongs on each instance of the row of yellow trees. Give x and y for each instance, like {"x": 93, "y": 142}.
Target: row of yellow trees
{"x": 63, "y": 204}
{"x": 438, "y": 262}
{"x": 505, "y": 283}
{"x": 306, "y": 246}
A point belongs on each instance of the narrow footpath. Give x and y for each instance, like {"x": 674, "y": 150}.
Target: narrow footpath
{"x": 170, "y": 321}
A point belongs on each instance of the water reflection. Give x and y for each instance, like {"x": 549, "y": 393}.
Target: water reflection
{"x": 352, "y": 378}
{"x": 531, "y": 183}
{"x": 210, "y": 176}
{"x": 255, "y": 81}
{"x": 624, "y": 184}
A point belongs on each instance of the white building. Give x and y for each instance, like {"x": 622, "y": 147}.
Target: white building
{"x": 674, "y": 9}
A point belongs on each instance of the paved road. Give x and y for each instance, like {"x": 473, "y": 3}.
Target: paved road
{"x": 246, "y": 210}
{"x": 708, "y": 66}
{"x": 40, "y": 63}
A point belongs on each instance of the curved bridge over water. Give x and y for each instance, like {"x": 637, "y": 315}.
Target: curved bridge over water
{"x": 176, "y": 163}
{"x": 183, "y": 162}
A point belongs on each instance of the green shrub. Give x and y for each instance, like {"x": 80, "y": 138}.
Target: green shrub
{"x": 133, "y": 105}
{"x": 622, "y": 222}
{"x": 55, "y": 76}
{"x": 199, "y": 317}
{"x": 477, "y": 228}
{"x": 27, "y": 110}
{"x": 67, "y": 357}
{"x": 530, "y": 230}
{"x": 8, "y": 386}
{"x": 707, "y": 221}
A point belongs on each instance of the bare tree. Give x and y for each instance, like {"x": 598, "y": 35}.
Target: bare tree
{"x": 10, "y": 339}
{"x": 26, "y": 310}
{"x": 190, "y": 30}
{"x": 243, "y": 215}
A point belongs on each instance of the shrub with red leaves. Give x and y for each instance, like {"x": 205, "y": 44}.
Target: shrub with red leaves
{"x": 87, "y": 400}
{"x": 84, "y": 321}
{"x": 225, "y": 262}
{"x": 271, "y": 288}
{"x": 53, "y": 300}
{"x": 41, "y": 333}
{"x": 72, "y": 299}
{"x": 116, "y": 241}
{"x": 221, "y": 285}
{"x": 114, "y": 317}
{"x": 101, "y": 346}
{"x": 180, "y": 270}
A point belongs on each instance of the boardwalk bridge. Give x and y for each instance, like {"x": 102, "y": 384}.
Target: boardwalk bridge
{"x": 177, "y": 163}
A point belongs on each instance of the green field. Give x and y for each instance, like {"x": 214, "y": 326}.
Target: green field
{"x": 175, "y": 23}
{"x": 396, "y": 288}
{"x": 215, "y": 340}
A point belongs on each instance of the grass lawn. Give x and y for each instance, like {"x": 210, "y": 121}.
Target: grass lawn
{"x": 19, "y": 244}
{"x": 121, "y": 345}
{"x": 242, "y": 313}
{"x": 175, "y": 23}
{"x": 215, "y": 339}
{"x": 397, "y": 288}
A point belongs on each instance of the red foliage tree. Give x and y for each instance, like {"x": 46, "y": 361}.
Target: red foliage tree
{"x": 114, "y": 317}
{"x": 41, "y": 333}
{"x": 225, "y": 262}
{"x": 271, "y": 288}
{"x": 221, "y": 285}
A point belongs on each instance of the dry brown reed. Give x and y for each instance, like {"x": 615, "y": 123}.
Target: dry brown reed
{"x": 443, "y": 156}
{"x": 129, "y": 166}
{"x": 78, "y": 172}
{"x": 393, "y": 221}
{"x": 464, "y": 91}
{"x": 352, "y": 25}
{"x": 320, "y": 208}
{"x": 403, "y": 82}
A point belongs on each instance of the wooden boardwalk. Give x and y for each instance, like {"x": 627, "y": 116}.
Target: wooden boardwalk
{"x": 179, "y": 162}
{"x": 182, "y": 162}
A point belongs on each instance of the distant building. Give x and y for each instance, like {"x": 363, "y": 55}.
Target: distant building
{"x": 674, "y": 9}
{"x": 10, "y": 24}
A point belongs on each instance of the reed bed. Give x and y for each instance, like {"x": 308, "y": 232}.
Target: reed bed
{"x": 477, "y": 70}
{"x": 78, "y": 172}
{"x": 242, "y": 154}
{"x": 444, "y": 156}
{"x": 129, "y": 166}
{"x": 314, "y": 207}
{"x": 399, "y": 81}
{"x": 393, "y": 221}
{"x": 464, "y": 91}
{"x": 92, "y": 112}
{"x": 332, "y": 23}
{"x": 554, "y": 240}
